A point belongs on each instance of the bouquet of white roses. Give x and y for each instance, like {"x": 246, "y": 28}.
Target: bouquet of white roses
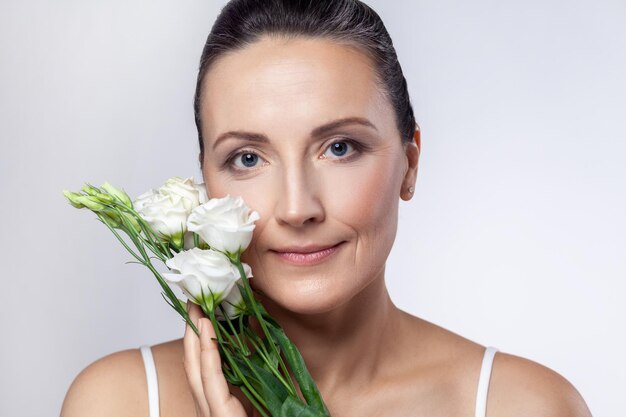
{"x": 200, "y": 240}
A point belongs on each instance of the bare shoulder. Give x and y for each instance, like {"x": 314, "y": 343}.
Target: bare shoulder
{"x": 520, "y": 387}
{"x": 114, "y": 385}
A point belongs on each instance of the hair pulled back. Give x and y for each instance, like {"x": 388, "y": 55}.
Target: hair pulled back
{"x": 350, "y": 22}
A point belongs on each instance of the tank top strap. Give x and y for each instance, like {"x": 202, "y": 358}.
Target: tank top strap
{"x": 151, "y": 377}
{"x": 483, "y": 381}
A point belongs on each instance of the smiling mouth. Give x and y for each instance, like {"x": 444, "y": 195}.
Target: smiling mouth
{"x": 306, "y": 256}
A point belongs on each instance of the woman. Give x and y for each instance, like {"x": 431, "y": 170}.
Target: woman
{"x": 302, "y": 109}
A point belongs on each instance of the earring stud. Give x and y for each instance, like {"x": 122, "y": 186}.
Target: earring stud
{"x": 411, "y": 189}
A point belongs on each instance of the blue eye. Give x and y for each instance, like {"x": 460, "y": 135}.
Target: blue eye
{"x": 339, "y": 148}
{"x": 245, "y": 160}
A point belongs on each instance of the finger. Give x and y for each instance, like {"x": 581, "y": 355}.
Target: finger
{"x": 215, "y": 386}
{"x": 195, "y": 312}
{"x": 191, "y": 361}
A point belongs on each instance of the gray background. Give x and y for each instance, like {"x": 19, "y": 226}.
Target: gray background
{"x": 516, "y": 236}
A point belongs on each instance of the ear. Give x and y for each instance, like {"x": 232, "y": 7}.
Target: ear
{"x": 412, "y": 151}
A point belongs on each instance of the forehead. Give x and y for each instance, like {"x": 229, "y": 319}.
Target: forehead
{"x": 283, "y": 85}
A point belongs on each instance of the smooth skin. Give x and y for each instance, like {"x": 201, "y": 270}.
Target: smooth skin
{"x": 338, "y": 185}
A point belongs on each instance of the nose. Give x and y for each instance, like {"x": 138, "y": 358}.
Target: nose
{"x": 298, "y": 202}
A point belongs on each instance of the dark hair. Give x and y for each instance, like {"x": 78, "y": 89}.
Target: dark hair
{"x": 351, "y": 22}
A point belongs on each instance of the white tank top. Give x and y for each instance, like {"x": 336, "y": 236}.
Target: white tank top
{"x": 481, "y": 393}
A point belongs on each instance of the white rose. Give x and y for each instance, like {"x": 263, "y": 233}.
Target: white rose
{"x": 233, "y": 303}
{"x": 186, "y": 189}
{"x": 226, "y": 224}
{"x": 165, "y": 214}
{"x": 167, "y": 208}
{"x": 205, "y": 276}
{"x": 203, "y": 197}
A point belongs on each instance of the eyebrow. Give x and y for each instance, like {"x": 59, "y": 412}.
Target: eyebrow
{"x": 317, "y": 132}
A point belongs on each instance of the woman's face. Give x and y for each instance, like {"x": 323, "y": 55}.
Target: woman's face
{"x": 299, "y": 130}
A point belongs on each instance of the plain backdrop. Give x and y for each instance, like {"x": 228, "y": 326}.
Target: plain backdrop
{"x": 516, "y": 237}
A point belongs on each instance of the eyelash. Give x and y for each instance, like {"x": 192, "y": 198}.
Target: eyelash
{"x": 358, "y": 148}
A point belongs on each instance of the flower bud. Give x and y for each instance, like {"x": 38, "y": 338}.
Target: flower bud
{"x": 233, "y": 304}
{"x": 133, "y": 221}
{"x": 72, "y": 197}
{"x": 112, "y": 219}
{"x": 90, "y": 202}
{"x": 177, "y": 241}
{"x": 118, "y": 194}
{"x": 91, "y": 190}
{"x": 104, "y": 198}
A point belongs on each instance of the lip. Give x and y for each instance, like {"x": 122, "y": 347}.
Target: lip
{"x": 306, "y": 255}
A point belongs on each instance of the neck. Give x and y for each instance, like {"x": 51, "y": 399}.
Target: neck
{"x": 348, "y": 343}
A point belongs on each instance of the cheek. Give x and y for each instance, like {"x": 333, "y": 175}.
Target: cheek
{"x": 254, "y": 191}
{"x": 361, "y": 202}
{"x": 366, "y": 198}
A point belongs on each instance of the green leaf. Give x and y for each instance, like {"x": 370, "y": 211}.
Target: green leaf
{"x": 293, "y": 407}
{"x": 230, "y": 375}
{"x": 296, "y": 362}
{"x": 271, "y": 389}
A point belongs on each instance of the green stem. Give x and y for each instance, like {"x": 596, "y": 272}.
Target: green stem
{"x": 146, "y": 240}
{"x": 265, "y": 356}
{"x": 256, "y": 341}
{"x": 235, "y": 367}
{"x": 242, "y": 345}
{"x": 232, "y": 362}
{"x": 153, "y": 249}
{"x": 230, "y": 338}
{"x": 158, "y": 247}
{"x": 219, "y": 329}
{"x": 132, "y": 234}
{"x": 145, "y": 260}
{"x": 253, "y": 401}
{"x": 170, "y": 294}
{"x": 257, "y": 313}
{"x": 117, "y": 235}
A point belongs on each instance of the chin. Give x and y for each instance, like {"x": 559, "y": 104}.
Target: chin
{"x": 306, "y": 298}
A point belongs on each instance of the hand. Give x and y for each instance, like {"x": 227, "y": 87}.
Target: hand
{"x": 203, "y": 367}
